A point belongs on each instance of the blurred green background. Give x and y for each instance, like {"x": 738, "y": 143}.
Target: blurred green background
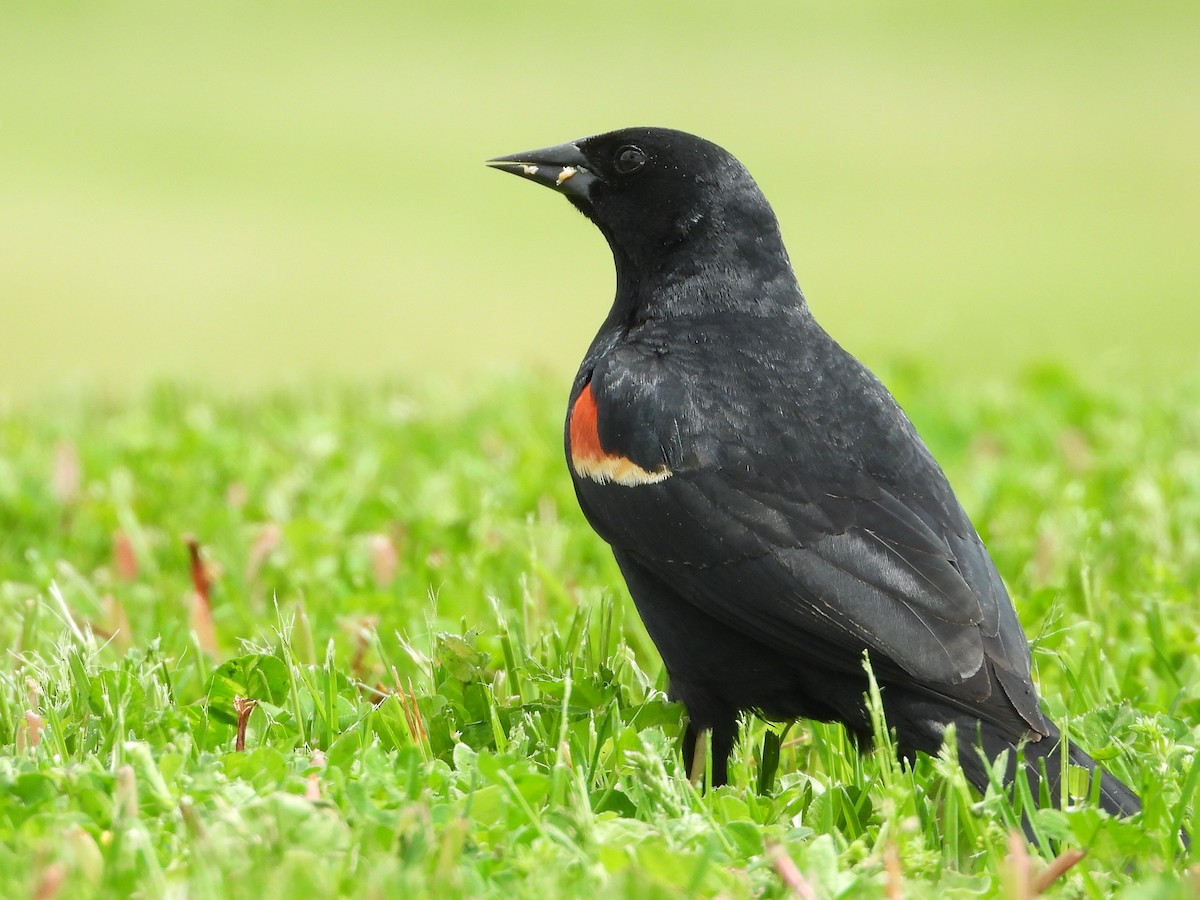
{"x": 252, "y": 194}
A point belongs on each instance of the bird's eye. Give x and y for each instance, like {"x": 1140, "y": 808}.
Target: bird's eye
{"x": 629, "y": 159}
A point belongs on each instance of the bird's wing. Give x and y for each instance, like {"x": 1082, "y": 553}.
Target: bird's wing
{"x": 820, "y": 568}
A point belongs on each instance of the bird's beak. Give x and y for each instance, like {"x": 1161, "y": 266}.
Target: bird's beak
{"x": 562, "y": 167}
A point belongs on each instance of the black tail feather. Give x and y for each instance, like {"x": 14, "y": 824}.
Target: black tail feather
{"x": 1036, "y": 757}
{"x": 1116, "y": 798}
{"x": 920, "y": 725}
{"x": 1041, "y": 756}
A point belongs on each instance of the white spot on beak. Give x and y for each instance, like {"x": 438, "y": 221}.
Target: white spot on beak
{"x": 567, "y": 172}
{"x": 528, "y": 169}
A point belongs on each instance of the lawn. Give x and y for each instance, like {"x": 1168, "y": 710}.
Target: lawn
{"x": 399, "y": 663}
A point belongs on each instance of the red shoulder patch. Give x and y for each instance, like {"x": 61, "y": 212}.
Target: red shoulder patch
{"x": 585, "y": 435}
{"x": 589, "y": 459}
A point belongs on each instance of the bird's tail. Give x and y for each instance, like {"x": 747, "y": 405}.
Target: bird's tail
{"x": 919, "y": 725}
{"x": 1040, "y": 759}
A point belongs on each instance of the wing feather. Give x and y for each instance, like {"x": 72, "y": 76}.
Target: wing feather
{"x": 814, "y": 539}
{"x": 808, "y": 568}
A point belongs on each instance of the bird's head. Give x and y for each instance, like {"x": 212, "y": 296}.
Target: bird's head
{"x": 652, "y": 190}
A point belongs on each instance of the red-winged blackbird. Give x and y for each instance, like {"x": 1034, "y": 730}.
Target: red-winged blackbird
{"x": 773, "y": 511}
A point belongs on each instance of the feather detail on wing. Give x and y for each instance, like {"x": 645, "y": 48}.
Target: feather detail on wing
{"x": 826, "y": 571}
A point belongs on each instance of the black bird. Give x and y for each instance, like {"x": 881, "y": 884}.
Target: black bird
{"x": 773, "y": 511}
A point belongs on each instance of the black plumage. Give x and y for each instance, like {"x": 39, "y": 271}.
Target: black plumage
{"x": 773, "y": 511}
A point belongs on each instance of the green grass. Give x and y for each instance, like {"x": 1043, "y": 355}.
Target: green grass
{"x": 454, "y": 696}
